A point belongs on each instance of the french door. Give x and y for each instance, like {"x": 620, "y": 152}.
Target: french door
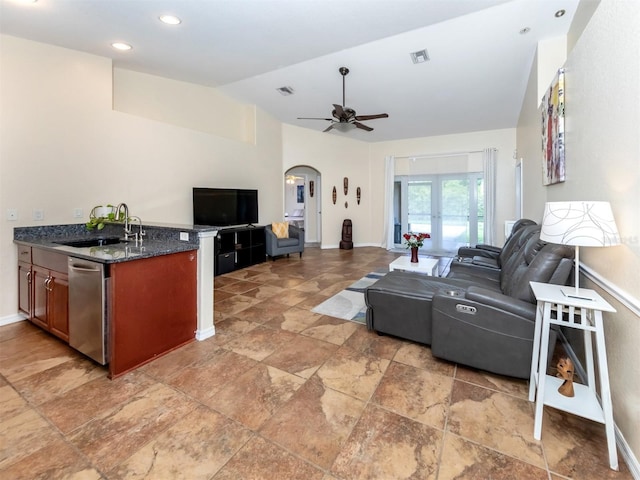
{"x": 448, "y": 207}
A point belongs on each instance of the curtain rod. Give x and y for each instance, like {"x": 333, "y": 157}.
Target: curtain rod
{"x": 434, "y": 155}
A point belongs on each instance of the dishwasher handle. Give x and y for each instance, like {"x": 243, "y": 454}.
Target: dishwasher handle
{"x": 82, "y": 268}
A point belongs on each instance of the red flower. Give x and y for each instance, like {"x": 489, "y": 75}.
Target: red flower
{"x": 413, "y": 239}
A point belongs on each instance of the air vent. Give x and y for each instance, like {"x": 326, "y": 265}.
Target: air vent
{"x": 285, "y": 91}
{"x": 420, "y": 56}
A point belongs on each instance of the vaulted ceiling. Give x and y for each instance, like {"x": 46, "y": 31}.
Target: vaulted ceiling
{"x": 478, "y": 67}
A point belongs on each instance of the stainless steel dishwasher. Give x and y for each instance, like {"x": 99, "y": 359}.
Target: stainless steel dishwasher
{"x": 87, "y": 309}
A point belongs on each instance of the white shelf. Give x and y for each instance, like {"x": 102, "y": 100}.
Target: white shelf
{"x": 584, "y": 403}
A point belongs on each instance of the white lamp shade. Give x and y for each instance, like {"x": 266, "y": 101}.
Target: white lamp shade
{"x": 583, "y": 224}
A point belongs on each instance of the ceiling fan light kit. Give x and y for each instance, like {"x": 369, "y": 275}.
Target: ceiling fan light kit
{"x": 345, "y": 118}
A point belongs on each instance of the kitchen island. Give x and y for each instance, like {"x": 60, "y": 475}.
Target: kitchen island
{"x": 158, "y": 293}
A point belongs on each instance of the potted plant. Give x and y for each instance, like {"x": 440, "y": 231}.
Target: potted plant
{"x": 100, "y": 215}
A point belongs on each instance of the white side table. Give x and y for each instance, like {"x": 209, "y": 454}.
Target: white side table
{"x": 424, "y": 265}
{"x": 556, "y": 308}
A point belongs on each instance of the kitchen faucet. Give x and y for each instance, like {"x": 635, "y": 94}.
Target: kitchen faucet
{"x": 141, "y": 233}
{"x": 127, "y": 228}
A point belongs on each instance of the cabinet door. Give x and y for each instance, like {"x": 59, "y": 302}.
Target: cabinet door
{"x": 58, "y": 305}
{"x": 24, "y": 288}
{"x": 39, "y": 282}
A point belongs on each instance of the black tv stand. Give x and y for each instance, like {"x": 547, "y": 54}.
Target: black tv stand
{"x": 239, "y": 247}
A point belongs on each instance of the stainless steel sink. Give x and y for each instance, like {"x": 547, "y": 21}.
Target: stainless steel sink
{"x": 93, "y": 242}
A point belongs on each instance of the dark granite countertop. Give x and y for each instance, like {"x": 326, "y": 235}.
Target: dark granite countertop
{"x": 159, "y": 240}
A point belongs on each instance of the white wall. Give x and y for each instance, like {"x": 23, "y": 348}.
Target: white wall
{"x": 63, "y": 147}
{"x": 602, "y": 144}
{"x": 335, "y": 157}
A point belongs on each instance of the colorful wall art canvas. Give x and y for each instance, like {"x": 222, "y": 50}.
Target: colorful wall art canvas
{"x": 553, "y": 132}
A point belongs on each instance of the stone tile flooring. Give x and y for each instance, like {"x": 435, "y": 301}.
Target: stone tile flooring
{"x": 280, "y": 393}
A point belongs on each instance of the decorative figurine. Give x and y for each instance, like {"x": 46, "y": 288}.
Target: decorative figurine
{"x": 311, "y": 185}
{"x": 565, "y": 371}
{"x": 346, "y": 185}
{"x": 358, "y": 194}
{"x": 334, "y": 195}
{"x": 347, "y": 234}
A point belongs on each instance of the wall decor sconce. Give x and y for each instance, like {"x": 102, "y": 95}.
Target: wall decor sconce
{"x": 346, "y": 185}
{"x": 334, "y": 195}
{"x": 311, "y": 186}
{"x": 358, "y": 194}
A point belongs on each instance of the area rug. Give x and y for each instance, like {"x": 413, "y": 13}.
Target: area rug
{"x": 349, "y": 303}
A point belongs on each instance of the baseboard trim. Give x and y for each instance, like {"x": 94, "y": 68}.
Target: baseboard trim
{"x": 9, "y": 319}
{"x": 206, "y": 333}
{"x": 625, "y": 450}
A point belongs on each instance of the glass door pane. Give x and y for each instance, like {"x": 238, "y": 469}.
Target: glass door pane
{"x": 419, "y": 208}
{"x": 448, "y": 207}
{"x": 454, "y": 213}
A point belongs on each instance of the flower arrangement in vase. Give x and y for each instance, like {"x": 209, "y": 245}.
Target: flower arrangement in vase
{"x": 414, "y": 241}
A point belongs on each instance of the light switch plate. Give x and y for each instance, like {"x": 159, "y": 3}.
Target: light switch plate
{"x": 38, "y": 214}
{"x": 12, "y": 214}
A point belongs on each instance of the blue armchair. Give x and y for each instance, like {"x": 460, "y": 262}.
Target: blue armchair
{"x": 284, "y": 246}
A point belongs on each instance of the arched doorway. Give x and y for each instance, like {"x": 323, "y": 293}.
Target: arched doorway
{"x": 302, "y": 201}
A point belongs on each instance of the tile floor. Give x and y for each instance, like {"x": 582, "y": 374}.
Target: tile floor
{"x": 280, "y": 393}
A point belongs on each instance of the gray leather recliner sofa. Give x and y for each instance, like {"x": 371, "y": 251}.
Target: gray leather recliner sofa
{"x": 481, "y": 319}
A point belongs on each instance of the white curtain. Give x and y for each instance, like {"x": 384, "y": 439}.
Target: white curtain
{"x": 489, "y": 163}
{"x": 389, "y": 177}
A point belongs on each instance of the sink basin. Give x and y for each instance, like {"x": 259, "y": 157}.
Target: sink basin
{"x": 92, "y": 242}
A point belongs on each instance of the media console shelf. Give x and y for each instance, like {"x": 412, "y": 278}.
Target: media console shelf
{"x": 239, "y": 247}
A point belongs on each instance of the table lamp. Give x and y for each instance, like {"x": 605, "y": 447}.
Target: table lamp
{"x": 581, "y": 224}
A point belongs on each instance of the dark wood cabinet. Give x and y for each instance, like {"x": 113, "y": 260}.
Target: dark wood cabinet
{"x": 239, "y": 247}
{"x": 24, "y": 288}
{"x": 49, "y": 295}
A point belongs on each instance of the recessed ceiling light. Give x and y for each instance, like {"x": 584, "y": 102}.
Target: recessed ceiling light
{"x": 121, "y": 46}
{"x": 525, "y": 30}
{"x": 420, "y": 56}
{"x": 170, "y": 19}
{"x": 559, "y": 13}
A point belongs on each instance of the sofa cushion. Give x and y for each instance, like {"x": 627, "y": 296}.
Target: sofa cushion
{"x": 287, "y": 242}
{"x": 280, "y": 229}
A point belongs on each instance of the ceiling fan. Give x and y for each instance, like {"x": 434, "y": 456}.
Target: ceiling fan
{"x": 345, "y": 118}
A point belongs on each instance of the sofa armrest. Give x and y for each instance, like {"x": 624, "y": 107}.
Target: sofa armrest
{"x": 270, "y": 239}
{"x": 503, "y": 302}
{"x": 483, "y": 330}
{"x": 471, "y": 252}
{"x": 489, "y": 248}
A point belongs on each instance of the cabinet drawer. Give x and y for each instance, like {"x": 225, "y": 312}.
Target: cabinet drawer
{"x": 24, "y": 254}
{"x": 50, "y": 260}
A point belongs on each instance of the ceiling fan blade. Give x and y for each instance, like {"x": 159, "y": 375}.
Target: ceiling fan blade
{"x": 328, "y": 128}
{"x": 362, "y": 126}
{"x": 339, "y": 110}
{"x": 315, "y": 118}
{"x": 372, "y": 117}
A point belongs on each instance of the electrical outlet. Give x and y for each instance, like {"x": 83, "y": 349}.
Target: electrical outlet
{"x": 38, "y": 214}
{"x": 184, "y": 236}
{"x": 78, "y": 213}
{"x": 12, "y": 214}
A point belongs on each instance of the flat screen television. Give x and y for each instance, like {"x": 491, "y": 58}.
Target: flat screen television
{"x": 223, "y": 207}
